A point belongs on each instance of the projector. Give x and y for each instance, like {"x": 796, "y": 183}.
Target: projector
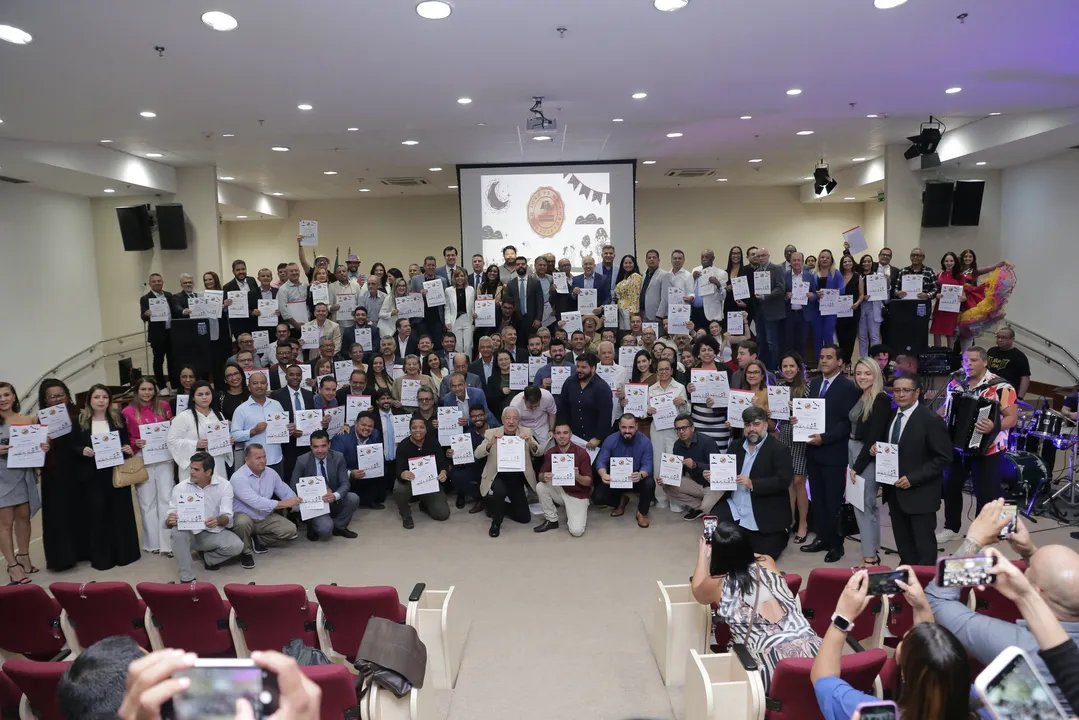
{"x": 540, "y": 124}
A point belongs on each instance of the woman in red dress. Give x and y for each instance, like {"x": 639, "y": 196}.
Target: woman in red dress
{"x": 944, "y": 322}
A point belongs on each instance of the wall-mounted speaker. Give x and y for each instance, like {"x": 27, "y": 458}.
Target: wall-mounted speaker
{"x": 967, "y": 202}
{"x": 136, "y": 228}
{"x": 937, "y": 204}
{"x": 171, "y": 228}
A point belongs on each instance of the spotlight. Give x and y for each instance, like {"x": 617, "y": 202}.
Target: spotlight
{"x": 822, "y": 179}
{"x": 927, "y": 139}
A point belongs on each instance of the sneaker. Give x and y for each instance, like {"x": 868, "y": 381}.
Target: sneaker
{"x": 257, "y": 546}
{"x": 692, "y": 515}
{"x": 945, "y": 535}
{"x": 662, "y": 503}
{"x": 677, "y": 507}
{"x": 247, "y": 561}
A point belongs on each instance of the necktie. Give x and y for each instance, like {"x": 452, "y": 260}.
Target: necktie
{"x": 644, "y": 287}
{"x": 897, "y": 428}
{"x": 391, "y": 446}
{"x": 824, "y": 387}
{"x": 322, "y": 469}
{"x": 296, "y": 399}
{"x": 524, "y": 296}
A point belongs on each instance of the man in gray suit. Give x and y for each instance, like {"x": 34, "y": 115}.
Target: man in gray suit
{"x": 460, "y": 367}
{"x": 654, "y": 289}
{"x": 433, "y": 323}
{"x": 771, "y": 307}
{"x": 449, "y": 253}
{"x": 330, "y": 465}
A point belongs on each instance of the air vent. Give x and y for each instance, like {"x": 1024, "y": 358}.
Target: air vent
{"x": 404, "y": 182}
{"x": 690, "y": 172}
{"x": 13, "y": 181}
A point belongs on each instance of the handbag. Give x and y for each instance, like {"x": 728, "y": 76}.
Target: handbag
{"x": 391, "y": 655}
{"x": 132, "y": 472}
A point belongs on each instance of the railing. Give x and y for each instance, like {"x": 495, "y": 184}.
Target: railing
{"x": 1041, "y": 352}
{"x": 135, "y": 342}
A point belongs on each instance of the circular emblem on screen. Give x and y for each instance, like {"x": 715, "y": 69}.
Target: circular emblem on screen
{"x": 546, "y": 212}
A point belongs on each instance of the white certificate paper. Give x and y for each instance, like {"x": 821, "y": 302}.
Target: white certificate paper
{"x": 912, "y": 285}
{"x": 666, "y": 412}
{"x": 887, "y": 460}
{"x": 401, "y": 426}
{"x": 425, "y": 470}
{"x": 762, "y": 282}
{"x": 571, "y": 322}
{"x": 740, "y": 287}
{"x": 737, "y": 402}
{"x": 559, "y": 375}
{"x": 342, "y": 371}
{"x": 779, "y": 402}
{"x": 156, "y": 436}
{"x": 448, "y": 427}
{"x": 410, "y": 306}
{"x": 854, "y": 492}
{"x": 218, "y": 441}
{"x": 670, "y": 469}
{"x": 876, "y": 287}
{"x": 563, "y": 470}
{"x": 436, "y": 294}
{"x": 511, "y": 454}
{"x": 949, "y": 298}
{"x": 561, "y": 283}
{"x": 799, "y": 293}
{"x": 678, "y": 319}
{"x": 723, "y": 469}
{"x": 107, "y": 449}
{"x": 829, "y": 301}
{"x": 346, "y": 303}
{"x": 337, "y": 420}
{"x": 809, "y": 417}
{"x": 307, "y": 421}
{"x": 410, "y": 390}
{"x": 320, "y": 293}
{"x": 518, "y": 376}
{"x": 354, "y": 405}
{"x": 370, "y": 459}
{"x": 636, "y": 399}
{"x": 238, "y": 307}
{"x": 25, "y": 450}
{"x": 610, "y": 316}
{"x": 626, "y": 356}
{"x": 363, "y": 337}
{"x": 485, "y": 312}
{"x": 311, "y": 490}
{"x": 621, "y": 469}
{"x": 587, "y": 300}
{"x": 191, "y": 512}
{"x": 309, "y": 337}
{"x": 277, "y": 428}
{"x": 267, "y": 313}
{"x": 705, "y": 286}
{"x": 309, "y": 233}
{"x": 57, "y": 419}
{"x": 675, "y": 296}
{"x": 534, "y": 364}
{"x": 463, "y": 452}
{"x": 159, "y": 309}
{"x": 181, "y": 402}
{"x": 736, "y": 324}
{"x": 844, "y": 306}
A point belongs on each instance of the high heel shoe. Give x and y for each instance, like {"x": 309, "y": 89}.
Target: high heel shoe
{"x": 799, "y": 539}
{"x": 24, "y": 581}
{"x": 28, "y": 570}
{"x": 871, "y": 562}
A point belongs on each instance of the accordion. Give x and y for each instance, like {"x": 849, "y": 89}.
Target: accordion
{"x": 966, "y": 409}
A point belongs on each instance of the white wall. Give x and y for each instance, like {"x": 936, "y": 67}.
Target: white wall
{"x": 873, "y": 227}
{"x": 49, "y": 291}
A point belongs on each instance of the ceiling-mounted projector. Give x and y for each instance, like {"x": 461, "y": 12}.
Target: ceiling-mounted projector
{"x": 540, "y": 123}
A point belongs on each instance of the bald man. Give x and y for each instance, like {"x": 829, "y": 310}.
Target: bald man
{"x": 1053, "y": 571}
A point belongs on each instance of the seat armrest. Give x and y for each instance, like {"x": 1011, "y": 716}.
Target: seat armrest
{"x": 854, "y": 644}
{"x": 745, "y": 657}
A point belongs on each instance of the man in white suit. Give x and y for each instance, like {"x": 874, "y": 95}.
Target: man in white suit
{"x": 706, "y": 308}
{"x": 654, "y": 289}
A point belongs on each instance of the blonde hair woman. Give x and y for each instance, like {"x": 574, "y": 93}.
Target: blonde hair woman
{"x": 868, "y": 421}
{"x": 461, "y": 310}
{"x": 387, "y": 317}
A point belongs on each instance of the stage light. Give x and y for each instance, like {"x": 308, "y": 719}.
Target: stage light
{"x": 822, "y": 179}
{"x": 927, "y": 139}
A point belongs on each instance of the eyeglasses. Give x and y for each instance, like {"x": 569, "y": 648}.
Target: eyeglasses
{"x": 683, "y": 428}
{"x": 231, "y": 375}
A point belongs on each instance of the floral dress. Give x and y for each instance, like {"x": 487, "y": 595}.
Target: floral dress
{"x": 628, "y": 295}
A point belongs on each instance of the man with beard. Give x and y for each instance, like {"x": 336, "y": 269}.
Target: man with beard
{"x": 527, "y": 295}
{"x": 585, "y": 403}
{"x": 575, "y": 497}
{"x": 558, "y": 359}
{"x": 434, "y": 317}
{"x": 627, "y": 443}
{"x": 240, "y": 282}
{"x": 466, "y": 476}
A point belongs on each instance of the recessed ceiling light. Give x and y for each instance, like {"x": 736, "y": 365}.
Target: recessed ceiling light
{"x": 616, "y": 120}
{"x": 410, "y": 142}
{"x": 756, "y": 160}
{"x": 109, "y": 190}
{"x": 280, "y": 148}
{"x": 721, "y": 179}
{"x": 305, "y": 106}
{"x": 14, "y": 35}
{"x": 365, "y": 189}
{"x": 229, "y": 135}
{"x": 887, "y": 4}
{"x": 669, "y": 5}
{"x": 674, "y": 135}
{"x": 810, "y": 177}
{"x": 433, "y": 9}
{"x": 481, "y": 124}
{"x": 452, "y": 187}
{"x": 639, "y": 95}
{"x": 353, "y": 129}
{"x": 220, "y": 21}
{"x": 148, "y": 114}
{"x": 105, "y": 141}
{"x": 980, "y": 163}
{"x": 241, "y": 217}
{"x": 277, "y": 194}
{"x": 872, "y": 115}
{"x": 993, "y": 114}
{"x": 794, "y": 91}
{"x": 858, "y": 159}
{"x": 464, "y": 100}
{"x": 649, "y": 162}
{"x": 850, "y": 198}
{"x": 541, "y": 138}
{"x": 154, "y": 155}
{"x": 226, "y": 177}
{"x": 805, "y": 132}
{"x": 746, "y": 117}
{"x": 953, "y": 90}
{"x": 329, "y": 172}
{"x": 435, "y": 169}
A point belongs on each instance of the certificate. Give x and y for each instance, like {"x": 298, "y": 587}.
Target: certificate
{"x": 261, "y": 340}
{"x": 307, "y": 421}
{"x": 371, "y": 459}
{"x": 809, "y": 418}
{"x": 337, "y": 420}
{"x": 277, "y": 428}
{"x": 580, "y": 442}
{"x": 636, "y": 399}
{"x": 559, "y": 376}
{"x": 267, "y": 313}
{"x": 762, "y": 282}
{"x": 309, "y": 336}
{"x": 409, "y": 306}
{"x": 587, "y": 300}
{"x": 410, "y": 390}
{"x": 876, "y": 287}
{"x": 436, "y": 293}
{"x": 854, "y": 492}
{"x": 218, "y": 440}
{"x": 779, "y": 402}
{"x": 740, "y": 287}
{"x": 511, "y": 454}
{"x": 675, "y": 296}
{"x": 346, "y": 303}
{"x": 191, "y": 512}
{"x": 912, "y": 284}
{"x": 626, "y": 356}
{"x": 563, "y": 469}
{"x": 518, "y": 376}
{"x": 199, "y": 310}
{"x": 159, "y": 309}
{"x": 342, "y": 371}
{"x": 311, "y": 491}
{"x": 181, "y": 402}
{"x": 610, "y": 316}
{"x": 402, "y": 426}
{"x": 309, "y": 233}
{"x": 887, "y": 460}
{"x": 723, "y": 469}
{"x": 397, "y": 371}
{"x": 534, "y": 364}
{"x": 297, "y": 310}
{"x": 485, "y": 312}
{"x": 57, "y": 419}
{"x": 829, "y": 301}
{"x": 701, "y": 380}
{"x": 320, "y": 293}
{"x": 107, "y": 449}
{"x": 949, "y": 298}
{"x": 213, "y": 302}
{"x": 670, "y": 469}
{"x": 844, "y": 306}
{"x": 448, "y": 427}
{"x": 238, "y": 307}
{"x": 705, "y": 286}
{"x": 354, "y": 405}
{"x": 799, "y": 293}
{"x": 621, "y": 469}
{"x": 363, "y": 337}
{"x": 678, "y": 319}
{"x": 737, "y": 402}
{"x": 736, "y": 324}
{"x": 425, "y": 470}
{"x": 571, "y": 322}
{"x": 25, "y": 449}
{"x": 610, "y": 374}
{"x": 561, "y": 283}
{"x": 666, "y": 412}
{"x": 463, "y": 452}
{"x": 156, "y": 448}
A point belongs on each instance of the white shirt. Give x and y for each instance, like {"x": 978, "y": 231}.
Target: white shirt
{"x": 682, "y": 279}
{"x": 217, "y": 499}
{"x": 293, "y": 395}
{"x": 905, "y": 414}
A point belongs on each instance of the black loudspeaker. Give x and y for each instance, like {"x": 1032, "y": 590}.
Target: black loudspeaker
{"x": 171, "y": 228}
{"x": 967, "y": 203}
{"x": 135, "y": 227}
{"x": 937, "y": 204}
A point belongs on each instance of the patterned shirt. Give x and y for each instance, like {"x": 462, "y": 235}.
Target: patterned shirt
{"x": 1002, "y": 392}
{"x": 929, "y": 281}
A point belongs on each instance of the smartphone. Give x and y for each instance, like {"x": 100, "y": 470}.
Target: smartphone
{"x": 880, "y": 710}
{"x": 711, "y": 522}
{"x": 965, "y": 571}
{"x": 215, "y": 687}
{"x": 1009, "y": 512}
{"x": 1014, "y": 690}
{"x": 882, "y": 582}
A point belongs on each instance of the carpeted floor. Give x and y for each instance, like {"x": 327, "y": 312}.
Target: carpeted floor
{"x": 557, "y": 623}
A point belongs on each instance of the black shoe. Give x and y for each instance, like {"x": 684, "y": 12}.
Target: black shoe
{"x": 1075, "y": 535}
{"x": 209, "y": 567}
{"x": 247, "y": 561}
{"x": 495, "y": 530}
{"x": 378, "y": 506}
{"x": 257, "y": 546}
{"x": 312, "y": 534}
{"x": 408, "y": 523}
{"x": 816, "y": 546}
{"x": 187, "y": 582}
{"x": 834, "y": 555}
{"x": 345, "y": 533}
{"x": 545, "y": 526}
{"x": 692, "y": 515}
{"x": 478, "y": 507}
{"x": 460, "y": 501}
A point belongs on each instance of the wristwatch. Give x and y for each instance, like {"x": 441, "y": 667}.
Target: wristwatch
{"x": 841, "y": 623}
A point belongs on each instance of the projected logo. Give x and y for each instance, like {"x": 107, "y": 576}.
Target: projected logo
{"x": 546, "y": 212}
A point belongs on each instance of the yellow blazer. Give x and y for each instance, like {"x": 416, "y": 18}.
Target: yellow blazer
{"x": 491, "y": 469}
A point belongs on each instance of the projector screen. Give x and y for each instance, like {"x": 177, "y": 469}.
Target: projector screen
{"x": 571, "y": 210}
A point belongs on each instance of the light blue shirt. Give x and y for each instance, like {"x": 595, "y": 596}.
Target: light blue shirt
{"x": 247, "y": 416}
{"x": 253, "y": 494}
{"x": 741, "y": 502}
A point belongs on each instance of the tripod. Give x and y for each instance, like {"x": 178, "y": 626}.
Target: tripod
{"x": 1069, "y": 487}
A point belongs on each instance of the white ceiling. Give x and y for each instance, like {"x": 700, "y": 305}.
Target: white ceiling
{"x": 376, "y": 65}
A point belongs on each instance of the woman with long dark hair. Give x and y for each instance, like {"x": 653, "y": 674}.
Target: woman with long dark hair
{"x": 944, "y": 322}
{"x": 872, "y": 310}
{"x": 792, "y": 375}
{"x": 234, "y": 393}
{"x": 846, "y": 328}
{"x": 498, "y": 389}
{"x": 147, "y": 408}
{"x": 188, "y": 376}
{"x": 188, "y": 432}
{"x": 19, "y": 500}
{"x": 627, "y": 290}
{"x": 380, "y": 270}
{"x": 63, "y": 497}
{"x": 736, "y": 267}
{"x": 492, "y": 284}
{"x": 378, "y": 378}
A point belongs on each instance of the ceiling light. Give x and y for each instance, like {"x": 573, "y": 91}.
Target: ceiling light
{"x": 756, "y": 160}
{"x": 850, "y": 198}
{"x": 481, "y": 124}
{"x": 226, "y": 177}
{"x": 980, "y": 163}
{"x": 464, "y": 101}
{"x": 617, "y": 120}
{"x": 277, "y": 194}
{"x": 541, "y": 138}
{"x": 14, "y": 35}
{"x": 154, "y": 155}
{"x": 887, "y": 4}
{"x": 746, "y": 117}
{"x": 433, "y": 9}
{"x": 352, "y": 129}
{"x": 872, "y": 115}
{"x": 105, "y": 141}
{"x": 452, "y": 187}
{"x": 822, "y": 179}
{"x": 109, "y": 190}
{"x": 365, "y": 189}
{"x": 410, "y": 142}
{"x": 858, "y": 159}
{"x": 241, "y": 217}
{"x": 220, "y": 21}
{"x": 435, "y": 169}
{"x": 954, "y": 90}
{"x": 721, "y": 179}
{"x": 148, "y": 114}
{"x": 805, "y": 132}
{"x": 329, "y": 172}
{"x": 305, "y": 106}
{"x": 794, "y": 91}
{"x": 639, "y": 95}
{"x": 649, "y": 162}
{"x": 229, "y": 135}
{"x": 927, "y": 139}
{"x": 993, "y": 114}
{"x": 669, "y": 5}
{"x": 280, "y": 148}
{"x": 674, "y": 135}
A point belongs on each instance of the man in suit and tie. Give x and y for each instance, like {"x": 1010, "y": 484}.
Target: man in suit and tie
{"x": 449, "y": 254}
{"x": 654, "y": 289}
{"x": 264, "y": 291}
{"x": 361, "y": 322}
{"x": 459, "y": 366}
{"x": 797, "y": 326}
{"x": 285, "y": 355}
{"x": 433, "y": 321}
{"x": 293, "y": 397}
{"x": 527, "y": 294}
{"x": 371, "y": 491}
{"x": 826, "y": 453}
{"x": 507, "y": 318}
{"x": 925, "y": 450}
{"x": 463, "y": 397}
{"x": 331, "y": 466}
{"x": 383, "y": 411}
{"x": 404, "y": 341}
{"x": 891, "y": 274}
{"x": 240, "y": 281}
{"x": 591, "y": 279}
{"x": 475, "y": 278}
{"x": 181, "y": 300}
{"x": 771, "y": 307}
{"x": 157, "y": 332}
{"x": 485, "y": 363}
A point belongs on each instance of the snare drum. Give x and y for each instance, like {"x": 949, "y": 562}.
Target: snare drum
{"x": 1049, "y": 424}
{"x": 1022, "y": 473}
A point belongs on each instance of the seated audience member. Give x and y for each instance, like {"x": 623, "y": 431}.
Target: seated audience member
{"x": 464, "y": 397}
{"x": 329, "y": 465}
{"x": 1053, "y": 570}
{"x": 729, "y": 575}
{"x": 627, "y": 443}
{"x": 254, "y": 486}
{"x": 695, "y": 450}
{"x": 371, "y": 491}
{"x": 935, "y": 671}
{"x": 466, "y": 476}
{"x": 498, "y": 486}
{"x": 573, "y": 497}
{"x": 216, "y": 542}
{"x": 92, "y": 686}
{"x": 537, "y": 410}
{"x": 419, "y": 444}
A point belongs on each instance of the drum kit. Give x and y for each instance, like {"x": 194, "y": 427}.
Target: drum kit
{"x": 1046, "y": 430}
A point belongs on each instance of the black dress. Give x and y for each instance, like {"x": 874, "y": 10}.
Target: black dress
{"x": 112, "y": 535}
{"x": 64, "y": 521}
{"x": 846, "y": 329}
{"x": 229, "y": 402}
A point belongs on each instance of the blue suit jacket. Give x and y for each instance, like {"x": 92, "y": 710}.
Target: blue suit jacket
{"x": 602, "y": 284}
{"x": 346, "y": 443}
{"x": 348, "y": 338}
{"x": 475, "y": 397}
{"x": 807, "y": 276}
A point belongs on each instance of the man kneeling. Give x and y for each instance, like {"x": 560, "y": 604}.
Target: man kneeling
{"x": 575, "y": 495}
{"x": 330, "y": 465}
{"x": 216, "y": 542}
{"x": 255, "y": 486}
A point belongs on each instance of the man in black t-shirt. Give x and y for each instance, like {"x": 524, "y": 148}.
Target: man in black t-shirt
{"x": 1010, "y": 362}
